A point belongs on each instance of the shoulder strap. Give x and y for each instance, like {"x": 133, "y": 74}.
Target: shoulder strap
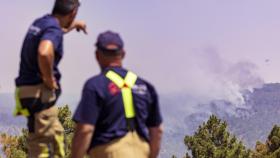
{"x": 125, "y": 85}
{"x": 129, "y": 80}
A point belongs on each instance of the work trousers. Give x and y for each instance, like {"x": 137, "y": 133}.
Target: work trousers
{"x": 46, "y": 134}
{"x": 129, "y": 146}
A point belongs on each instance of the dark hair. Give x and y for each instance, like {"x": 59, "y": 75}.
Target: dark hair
{"x": 64, "y": 7}
{"x": 110, "y": 53}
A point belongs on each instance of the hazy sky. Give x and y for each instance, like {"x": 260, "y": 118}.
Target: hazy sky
{"x": 178, "y": 45}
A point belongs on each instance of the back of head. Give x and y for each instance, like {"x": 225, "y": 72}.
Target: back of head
{"x": 64, "y": 7}
{"x": 109, "y": 49}
{"x": 109, "y": 43}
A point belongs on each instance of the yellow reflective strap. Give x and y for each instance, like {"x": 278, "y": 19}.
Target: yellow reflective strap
{"x": 117, "y": 79}
{"x": 44, "y": 152}
{"x": 44, "y": 155}
{"x": 127, "y": 96}
{"x": 130, "y": 79}
{"x": 128, "y": 102}
{"x": 25, "y": 112}
{"x": 18, "y": 109}
{"x": 18, "y": 105}
{"x": 60, "y": 144}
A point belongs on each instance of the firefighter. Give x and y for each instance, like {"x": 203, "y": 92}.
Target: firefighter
{"x": 38, "y": 82}
{"x": 119, "y": 114}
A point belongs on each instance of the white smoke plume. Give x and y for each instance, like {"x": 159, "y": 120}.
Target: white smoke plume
{"x": 229, "y": 79}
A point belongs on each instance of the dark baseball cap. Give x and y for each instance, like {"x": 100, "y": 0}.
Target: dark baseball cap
{"x": 107, "y": 39}
{"x": 66, "y": 6}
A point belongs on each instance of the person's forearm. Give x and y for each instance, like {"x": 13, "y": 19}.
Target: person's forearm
{"x": 155, "y": 147}
{"x": 45, "y": 60}
{"x": 78, "y": 25}
{"x": 45, "y": 65}
{"x": 66, "y": 30}
{"x": 155, "y": 140}
{"x": 70, "y": 28}
{"x": 79, "y": 146}
{"x": 81, "y": 142}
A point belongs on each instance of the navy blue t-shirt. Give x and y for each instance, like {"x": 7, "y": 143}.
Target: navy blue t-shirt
{"x": 102, "y": 106}
{"x": 44, "y": 28}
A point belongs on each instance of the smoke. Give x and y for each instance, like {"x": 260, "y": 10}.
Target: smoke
{"x": 222, "y": 79}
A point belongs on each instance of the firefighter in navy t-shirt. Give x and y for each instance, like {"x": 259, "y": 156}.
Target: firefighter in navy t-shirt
{"x": 38, "y": 85}
{"x": 119, "y": 114}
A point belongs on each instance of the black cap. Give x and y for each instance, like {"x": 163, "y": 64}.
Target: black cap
{"x": 107, "y": 39}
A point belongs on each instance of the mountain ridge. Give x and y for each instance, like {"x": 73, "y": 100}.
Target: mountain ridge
{"x": 182, "y": 115}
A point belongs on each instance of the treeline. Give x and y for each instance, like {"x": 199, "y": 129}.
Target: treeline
{"x": 211, "y": 140}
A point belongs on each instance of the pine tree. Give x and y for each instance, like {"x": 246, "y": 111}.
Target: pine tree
{"x": 270, "y": 149}
{"x": 212, "y": 140}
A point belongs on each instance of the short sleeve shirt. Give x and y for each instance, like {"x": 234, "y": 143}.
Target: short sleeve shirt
{"x": 101, "y": 105}
{"x": 44, "y": 28}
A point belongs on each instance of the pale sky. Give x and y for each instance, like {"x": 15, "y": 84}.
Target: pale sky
{"x": 171, "y": 43}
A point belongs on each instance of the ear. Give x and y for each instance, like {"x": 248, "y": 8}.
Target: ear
{"x": 123, "y": 54}
{"x": 97, "y": 56}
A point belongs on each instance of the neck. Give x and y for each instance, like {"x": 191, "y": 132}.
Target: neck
{"x": 112, "y": 64}
{"x": 115, "y": 64}
{"x": 60, "y": 20}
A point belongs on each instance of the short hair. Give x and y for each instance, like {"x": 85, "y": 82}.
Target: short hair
{"x": 110, "y": 53}
{"x": 64, "y": 7}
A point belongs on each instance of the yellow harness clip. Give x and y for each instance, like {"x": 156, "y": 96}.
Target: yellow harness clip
{"x": 125, "y": 85}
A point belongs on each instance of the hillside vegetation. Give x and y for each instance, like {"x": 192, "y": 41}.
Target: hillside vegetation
{"x": 211, "y": 140}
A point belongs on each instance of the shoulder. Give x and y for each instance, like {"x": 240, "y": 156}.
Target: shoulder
{"x": 142, "y": 85}
{"x": 47, "y": 22}
{"x": 94, "y": 82}
{"x": 149, "y": 85}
